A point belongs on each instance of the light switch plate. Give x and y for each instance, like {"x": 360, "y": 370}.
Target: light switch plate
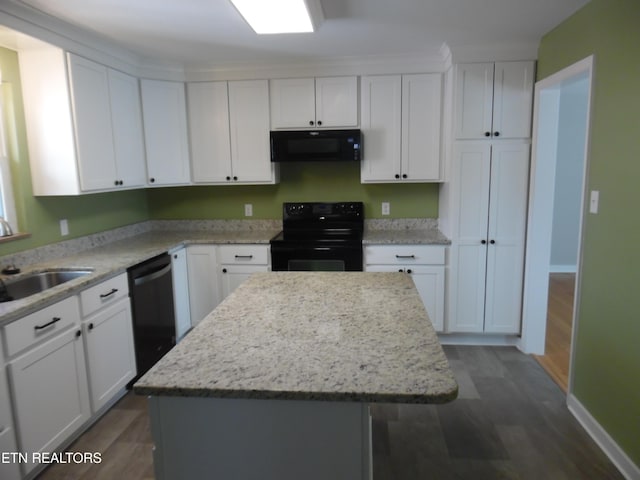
{"x": 248, "y": 210}
{"x": 593, "y": 203}
{"x": 386, "y": 208}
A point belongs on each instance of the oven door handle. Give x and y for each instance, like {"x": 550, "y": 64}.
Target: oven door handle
{"x": 324, "y": 249}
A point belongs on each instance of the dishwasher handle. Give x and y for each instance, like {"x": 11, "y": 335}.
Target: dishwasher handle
{"x": 149, "y": 277}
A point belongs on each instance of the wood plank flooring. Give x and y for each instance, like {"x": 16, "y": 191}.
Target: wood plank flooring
{"x": 510, "y": 421}
{"x": 555, "y": 361}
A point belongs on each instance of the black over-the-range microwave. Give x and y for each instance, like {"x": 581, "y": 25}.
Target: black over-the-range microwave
{"x": 316, "y": 145}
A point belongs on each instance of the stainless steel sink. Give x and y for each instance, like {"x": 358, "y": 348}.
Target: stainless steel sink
{"x": 37, "y": 282}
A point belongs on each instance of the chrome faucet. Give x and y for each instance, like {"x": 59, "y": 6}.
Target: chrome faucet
{"x": 5, "y": 228}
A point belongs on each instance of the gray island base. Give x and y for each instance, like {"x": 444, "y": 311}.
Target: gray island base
{"x": 276, "y": 382}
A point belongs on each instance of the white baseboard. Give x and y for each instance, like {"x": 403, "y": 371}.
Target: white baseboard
{"x": 619, "y": 458}
{"x": 478, "y": 339}
{"x": 563, "y": 269}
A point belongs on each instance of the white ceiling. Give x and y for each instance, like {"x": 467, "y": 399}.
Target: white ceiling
{"x": 211, "y": 32}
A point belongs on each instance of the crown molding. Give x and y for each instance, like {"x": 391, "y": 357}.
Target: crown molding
{"x": 493, "y": 52}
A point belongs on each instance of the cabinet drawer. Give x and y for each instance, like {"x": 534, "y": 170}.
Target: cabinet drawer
{"x": 108, "y": 292}
{"x": 244, "y": 254}
{"x": 404, "y": 254}
{"x": 41, "y": 324}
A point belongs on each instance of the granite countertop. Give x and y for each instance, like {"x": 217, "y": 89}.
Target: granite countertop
{"x": 114, "y": 258}
{"x": 430, "y": 236}
{"x": 347, "y": 336}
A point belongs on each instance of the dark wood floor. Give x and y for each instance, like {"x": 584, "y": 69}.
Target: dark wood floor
{"x": 509, "y": 422}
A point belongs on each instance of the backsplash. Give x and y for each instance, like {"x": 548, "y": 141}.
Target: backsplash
{"x": 76, "y": 245}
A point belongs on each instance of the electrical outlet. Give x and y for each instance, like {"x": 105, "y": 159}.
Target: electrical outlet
{"x": 595, "y": 199}
{"x": 64, "y": 227}
{"x": 248, "y": 210}
{"x": 386, "y": 208}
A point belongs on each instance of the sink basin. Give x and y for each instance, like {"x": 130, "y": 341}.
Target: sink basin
{"x": 37, "y": 282}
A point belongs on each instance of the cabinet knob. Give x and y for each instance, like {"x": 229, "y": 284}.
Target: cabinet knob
{"x": 235, "y": 178}
{"x": 408, "y": 270}
{"x": 91, "y": 326}
{"x": 400, "y": 270}
{"x": 492, "y": 242}
{"x": 397, "y": 175}
{"x": 404, "y": 175}
{"x": 483, "y": 241}
{"x": 116, "y": 183}
{"x": 311, "y": 122}
{"x": 224, "y": 270}
{"x": 487, "y": 134}
{"x": 152, "y": 180}
{"x": 228, "y": 178}
{"x": 319, "y": 122}
{"x": 496, "y": 134}
{"x": 78, "y": 333}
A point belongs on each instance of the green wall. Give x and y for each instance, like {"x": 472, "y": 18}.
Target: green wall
{"x": 298, "y": 182}
{"x": 40, "y": 216}
{"x": 607, "y": 350}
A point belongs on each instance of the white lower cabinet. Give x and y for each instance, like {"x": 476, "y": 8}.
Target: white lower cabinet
{"x": 425, "y": 264}
{"x": 204, "y": 290}
{"x": 180, "y": 277}
{"x": 49, "y": 384}
{"x": 487, "y": 253}
{"x": 111, "y": 359}
{"x": 238, "y": 262}
{"x": 8, "y": 470}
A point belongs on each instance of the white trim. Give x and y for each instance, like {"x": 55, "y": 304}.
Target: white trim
{"x": 599, "y": 435}
{"x": 479, "y": 339}
{"x": 563, "y": 269}
{"x": 6, "y": 186}
{"x": 538, "y": 253}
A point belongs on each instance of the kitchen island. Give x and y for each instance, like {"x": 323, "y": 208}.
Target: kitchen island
{"x": 275, "y": 383}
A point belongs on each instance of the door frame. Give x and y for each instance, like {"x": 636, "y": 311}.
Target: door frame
{"x": 541, "y": 192}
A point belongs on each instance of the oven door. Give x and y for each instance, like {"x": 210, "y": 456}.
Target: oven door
{"x": 319, "y": 258}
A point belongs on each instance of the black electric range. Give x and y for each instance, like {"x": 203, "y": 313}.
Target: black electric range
{"x": 319, "y": 237}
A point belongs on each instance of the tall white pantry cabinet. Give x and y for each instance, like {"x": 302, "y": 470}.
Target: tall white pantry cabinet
{"x": 489, "y": 180}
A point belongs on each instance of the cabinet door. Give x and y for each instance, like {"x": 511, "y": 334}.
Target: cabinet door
{"x": 92, "y": 122}
{"x": 249, "y": 129}
{"x": 469, "y": 250}
{"x": 111, "y": 359}
{"x": 165, "y": 132}
{"x": 429, "y": 281}
{"x": 233, "y": 275}
{"x": 337, "y": 102}
{"x": 8, "y": 471}
{"x": 381, "y": 119}
{"x": 474, "y": 100}
{"x": 421, "y": 119}
{"x": 50, "y": 393}
{"x": 204, "y": 293}
{"x": 506, "y": 235}
{"x": 513, "y": 99}
{"x": 126, "y": 122}
{"x": 209, "y": 132}
{"x": 180, "y": 275}
{"x": 293, "y": 103}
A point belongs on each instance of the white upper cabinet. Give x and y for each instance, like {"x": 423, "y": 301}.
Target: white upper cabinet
{"x": 164, "y": 111}
{"x": 401, "y": 126}
{"x": 83, "y": 124}
{"x": 128, "y": 135}
{"x": 494, "y": 100}
{"x": 229, "y": 132}
{"x": 326, "y": 102}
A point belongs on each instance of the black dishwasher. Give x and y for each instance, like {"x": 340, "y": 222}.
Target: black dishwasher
{"x": 154, "y": 326}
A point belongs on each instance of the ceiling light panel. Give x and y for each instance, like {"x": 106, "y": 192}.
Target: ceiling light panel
{"x": 280, "y": 16}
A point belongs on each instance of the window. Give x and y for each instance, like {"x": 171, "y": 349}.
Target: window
{"x": 7, "y": 205}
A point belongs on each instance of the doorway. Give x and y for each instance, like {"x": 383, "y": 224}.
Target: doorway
{"x": 556, "y": 209}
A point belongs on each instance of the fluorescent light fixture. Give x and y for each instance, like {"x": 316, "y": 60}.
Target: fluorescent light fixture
{"x": 280, "y": 16}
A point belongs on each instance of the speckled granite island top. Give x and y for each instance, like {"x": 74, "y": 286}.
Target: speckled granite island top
{"x": 338, "y": 336}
